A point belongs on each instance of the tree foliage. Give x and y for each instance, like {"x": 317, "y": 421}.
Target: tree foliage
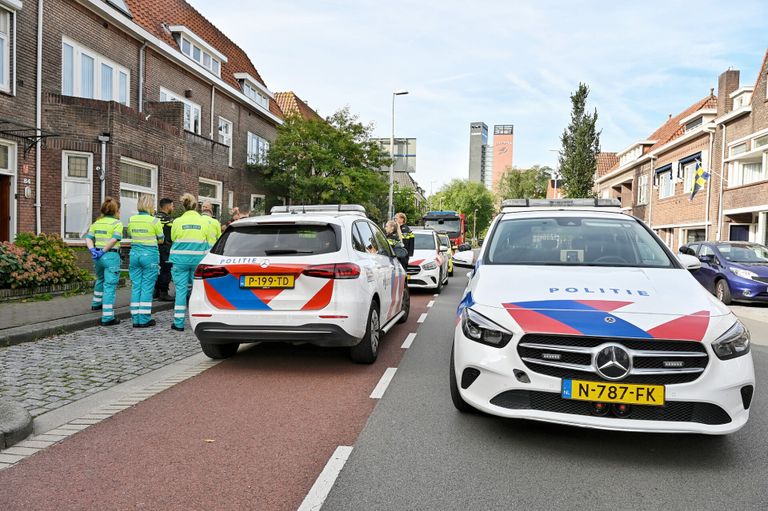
{"x": 525, "y": 183}
{"x": 327, "y": 162}
{"x": 465, "y": 196}
{"x": 405, "y": 202}
{"x": 580, "y": 145}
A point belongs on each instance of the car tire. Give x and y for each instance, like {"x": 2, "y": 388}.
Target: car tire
{"x": 458, "y": 401}
{"x": 406, "y": 306}
{"x": 439, "y": 287}
{"x": 219, "y": 351}
{"x": 723, "y": 291}
{"x": 368, "y": 348}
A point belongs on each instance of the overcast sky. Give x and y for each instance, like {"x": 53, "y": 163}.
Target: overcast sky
{"x": 501, "y": 62}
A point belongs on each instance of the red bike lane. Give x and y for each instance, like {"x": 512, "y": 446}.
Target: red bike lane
{"x": 253, "y": 432}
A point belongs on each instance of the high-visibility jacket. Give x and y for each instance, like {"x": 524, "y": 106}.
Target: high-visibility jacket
{"x": 190, "y": 238}
{"x": 145, "y": 230}
{"x": 409, "y": 239}
{"x": 214, "y": 229}
{"x": 105, "y": 229}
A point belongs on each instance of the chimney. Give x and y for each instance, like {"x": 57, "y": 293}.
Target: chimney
{"x": 727, "y": 83}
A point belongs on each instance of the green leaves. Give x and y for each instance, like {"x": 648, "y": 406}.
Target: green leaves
{"x": 524, "y": 183}
{"x": 465, "y": 196}
{"x": 580, "y": 145}
{"x": 38, "y": 261}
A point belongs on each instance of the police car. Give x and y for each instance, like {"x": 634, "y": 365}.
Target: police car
{"x": 428, "y": 266}
{"x": 578, "y": 314}
{"x": 322, "y": 275}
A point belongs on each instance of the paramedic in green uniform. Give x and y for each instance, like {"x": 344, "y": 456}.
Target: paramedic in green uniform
{"x": 190, "y": 244}
{"x": 103, "y": 240}
{"x": 145, "y": 231}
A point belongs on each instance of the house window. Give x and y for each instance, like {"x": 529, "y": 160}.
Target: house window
{"x": 760, "y": 141}
{"x": 257, "y": 149}
{"x": 738, "y": 149}
{"x": 230, "y": 199}
{"x": 5, "y": 50}
{"x": 743, "y": 173}
{"x": 76, "y": 195}
{"x": 642, "y": 190}
{"x": 694, "y": 235}
{"x": 257, "y": 204}
{"x": 199, "y": 55}
{"x": 251, "y": 92}
{"x": 694, "y": 124}
{"x": 689, "y": 176}
{"x": 192, "y": 111}
{"x": 136, "y": 179}
{"x": 86, "y": 74}
{"x": 225, "y": 135}
{"x": 211, "y": 191}
{"x": 666, "y": 184}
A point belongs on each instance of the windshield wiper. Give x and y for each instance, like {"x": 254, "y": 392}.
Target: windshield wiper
{"x": 284, "y": 251}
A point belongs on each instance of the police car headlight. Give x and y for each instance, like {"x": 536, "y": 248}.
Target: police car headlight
{"x": 733, "y": 343}
{"x": 483, "y": 330}
{"x": 429, "y": 266}
{"x": 744, "y": 274}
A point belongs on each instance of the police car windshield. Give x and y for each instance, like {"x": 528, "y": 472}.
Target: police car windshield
{"x": 276, "y": 240}
{"x": 424, "y": 241}
{"x": 574, "y": 241}
{"x": 452, "y": 227}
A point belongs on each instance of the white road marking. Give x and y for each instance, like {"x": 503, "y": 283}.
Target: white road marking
{"x": 381, "y": 387}
{"x": 422, "y": 318}
{"x": 430, "y": 304}
{"x": 435, "y": 295}
{"x": 408, "y": 341}
{"x": 322, "y": 487}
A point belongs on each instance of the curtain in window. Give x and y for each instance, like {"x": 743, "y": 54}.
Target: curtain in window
{"x": 123, "y": 88}
{"x": 106, "y": 83}
{"x": 86, "y": 75}
{"x": 68, "y": 70}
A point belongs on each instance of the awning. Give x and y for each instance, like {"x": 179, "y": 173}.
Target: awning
{"x": 665, "y": 168}
{"x": 691, "y": 158}
{"x": 28, "y": 134}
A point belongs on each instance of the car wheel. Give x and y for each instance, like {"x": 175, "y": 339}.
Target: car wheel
{"x": 219, "y": 351}
{"x": 406, "y": 306}
{"x": 439, "y": 287}
{"x": 458, "y": 401}
{"x": 368, "y": 348}
{"x": 723, "y": 291}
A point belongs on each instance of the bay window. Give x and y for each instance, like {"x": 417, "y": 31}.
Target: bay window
{"x": 86, "y": 74}
{"x": 76, "y": 194}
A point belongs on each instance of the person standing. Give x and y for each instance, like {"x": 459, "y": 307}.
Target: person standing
{"x": 395, "y": 239}
{"x": 164, "y": 278}
{"x": 103, "y": 241}
{"x": 214, "y": 227}
{"x": 190, "y": 244}
{"x": 145, "y": 232}
{"x": 409, "y": 239}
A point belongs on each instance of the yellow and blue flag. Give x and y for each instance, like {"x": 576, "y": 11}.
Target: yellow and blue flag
{"x": 700, "y": 177}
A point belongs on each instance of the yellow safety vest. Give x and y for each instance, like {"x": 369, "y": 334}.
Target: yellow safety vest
{"x": 190, "y": 238}
{"x": 144, "y": 229}
{"x": 104, "y": 229}
{"x": 214, "y": 229}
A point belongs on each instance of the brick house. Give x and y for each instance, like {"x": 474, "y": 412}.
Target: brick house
{"x": 135, "y": 97}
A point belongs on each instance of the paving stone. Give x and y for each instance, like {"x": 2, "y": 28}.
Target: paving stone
{"x": 35, "y": 444}
{"x": 21, "y": 451}
{"x": 10, "y": 458}
{"x": 47, "y": 437}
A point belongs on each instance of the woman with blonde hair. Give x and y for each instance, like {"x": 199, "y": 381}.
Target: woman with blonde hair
{"x": 103, "y": 240}
{"x": 395, "y": 239}
{"x": 190, "y": 244}
{"x": 146, "y": 232}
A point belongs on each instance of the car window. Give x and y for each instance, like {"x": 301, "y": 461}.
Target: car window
{"x": 752, "y": 253}
{"x": 575, "y": 241}
{"x": 692, "y": 249}
{"x": 381, "y": 241}
{"x": 367, "y": 237}
{"x": 706, "y": 251}
{"x": 271, "y": 240}
{"x": 357, "y": 240}
{"x": 445, "y": 241}
{"x": 424, "y": 241}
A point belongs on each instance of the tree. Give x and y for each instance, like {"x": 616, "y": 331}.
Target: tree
{"x": 580, "y": 145}
{"x": 465, "y": 196}
{"x": 405, "y": 202}
{"x": 327, "y": 162}
{"x": 525, "y": 183}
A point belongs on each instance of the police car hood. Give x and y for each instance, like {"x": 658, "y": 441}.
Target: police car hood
{"x": 616, "y": 302}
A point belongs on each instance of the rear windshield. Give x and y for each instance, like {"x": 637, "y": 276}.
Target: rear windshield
{"x": 424, "y": 241}
{"x": 574, "y": 241}
{"x": 276, "y": 240}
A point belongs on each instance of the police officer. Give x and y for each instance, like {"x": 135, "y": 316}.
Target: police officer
{"x": 409, "y": 239}
{"x": 103, "y": 240}
{"x": 190, "y": 244}
{"x": 395, "y": 239}
{"x": 145, "y": 232}
{"x": 214, "y": 227}
{"x": 164, "y": 279}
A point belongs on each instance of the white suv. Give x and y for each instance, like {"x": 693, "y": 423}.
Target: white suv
{"x": 323, "y": 275}
{"x": 578, "y": 314}
{"x": 428, "y": 266}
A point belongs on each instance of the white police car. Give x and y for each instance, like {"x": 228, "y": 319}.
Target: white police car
{"x": 428, "y": 266}
{"x": 578, "y": 314}
{"x": 323, "y": 275}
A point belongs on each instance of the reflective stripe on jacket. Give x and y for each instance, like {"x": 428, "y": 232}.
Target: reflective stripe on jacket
{"x": 105, "y": 229}
{"x": 190, "y": 238}
{"x": 145, "y": 230}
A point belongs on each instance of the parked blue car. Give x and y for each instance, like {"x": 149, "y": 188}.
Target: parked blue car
{"x": 732, "y": 270}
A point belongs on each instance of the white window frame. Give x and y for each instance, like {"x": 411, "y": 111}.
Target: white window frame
{"x": 263, "y": 199}
{"x": 11, "y": 171}
{"x": 223, "y": 140}
{"x": 172, "y": 96}
{"x": 255, "y": 94}
{"x": 642, "y": 190}
{"x": 231, "y": 199}
{"x": 259, "y": 153}
{"x": 137, "y": 188}
{"x": 214, "y": 61}
{"x": 98, "y": 60}
{"x": 219, "y": 193}
{"x": 86, "y": 180}
{"x": 666, "y": 191}
{"x": 689, "y": 176}
{"x": 9, "y": 40}
{"x": 737, "y": 176}
{"x": 732, "y": 147}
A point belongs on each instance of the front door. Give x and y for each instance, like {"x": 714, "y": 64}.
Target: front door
{"x": 739, "y": 233}
{"x": 5, "y": 208}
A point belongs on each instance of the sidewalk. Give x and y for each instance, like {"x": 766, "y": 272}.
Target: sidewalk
{"x": 28, "y": 321}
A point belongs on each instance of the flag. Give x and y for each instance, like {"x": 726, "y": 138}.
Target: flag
{"x": 700, "y": 177}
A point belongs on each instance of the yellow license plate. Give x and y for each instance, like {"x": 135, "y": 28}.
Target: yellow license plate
{"x": 605, "y": 392}
{"x": 269, "y": 281}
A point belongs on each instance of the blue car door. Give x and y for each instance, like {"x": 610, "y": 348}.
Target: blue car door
{"x": 710, "y": 268}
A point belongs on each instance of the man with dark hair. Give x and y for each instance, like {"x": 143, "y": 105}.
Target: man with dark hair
{"x": 164, "y": 278}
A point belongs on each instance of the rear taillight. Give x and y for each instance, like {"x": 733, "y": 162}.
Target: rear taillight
{"x": 333, "y": 271}
{"x": 209, "y": 271}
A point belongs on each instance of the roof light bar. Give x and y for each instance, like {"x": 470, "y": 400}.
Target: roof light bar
{"x": 319, "y": 208}
{"x": 560, "y": 203}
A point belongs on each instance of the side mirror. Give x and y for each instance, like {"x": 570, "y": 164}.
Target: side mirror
{"x": 443, "y": 248}
{"x": 708, "y": 259}
{"x": 690, "y": 262}
{"x": 469, "y": 274}
{"x": 464, "y": 247}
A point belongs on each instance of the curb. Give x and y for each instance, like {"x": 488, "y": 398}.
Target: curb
{"x": 15, "y": 423}
{"x": 33, "y": 332}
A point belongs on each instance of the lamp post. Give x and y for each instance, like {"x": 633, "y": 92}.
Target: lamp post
{"x": 391, "y": 212}
{"x": 474, "y": 227}
{"x": 557, "y": 170}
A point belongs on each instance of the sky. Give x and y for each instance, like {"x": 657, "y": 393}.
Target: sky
{"x": 500, "y": 62}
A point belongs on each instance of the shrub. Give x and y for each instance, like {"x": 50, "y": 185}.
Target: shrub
{"x": 38, "y": 261}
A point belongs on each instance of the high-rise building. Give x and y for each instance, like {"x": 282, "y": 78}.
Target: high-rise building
{"x": 487, "y": 163}
{"x": 503, "y": 143}
{"x": 478, "y": 149}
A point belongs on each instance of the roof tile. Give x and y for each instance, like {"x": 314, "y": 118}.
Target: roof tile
{"x": 291, "y": 104}
{"x": 606, "y": 162}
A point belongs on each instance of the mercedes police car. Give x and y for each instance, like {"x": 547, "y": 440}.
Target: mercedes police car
{"x": 428, "y": 266}
{"x": 323, "y": 275}
{"x": 578, "y": 314}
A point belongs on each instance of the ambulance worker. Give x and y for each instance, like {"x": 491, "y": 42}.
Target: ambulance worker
{"x": 103, "y": 240}
{"x": 145, "y": 231}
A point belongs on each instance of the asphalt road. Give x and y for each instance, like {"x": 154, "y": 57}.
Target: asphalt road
{"x": 418, "y": 452}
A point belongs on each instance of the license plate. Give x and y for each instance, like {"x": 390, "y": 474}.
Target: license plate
{"x": 268, "y": 281}
{"x": 604, "y": 392}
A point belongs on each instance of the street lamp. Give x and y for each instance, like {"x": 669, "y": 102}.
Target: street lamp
{"x": 474, "y": 227}
{"x": 391, "y": 212}
{"x": 557, "y": 171}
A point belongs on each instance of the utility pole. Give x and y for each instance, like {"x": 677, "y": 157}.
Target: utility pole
{"x": 390, "y": 210}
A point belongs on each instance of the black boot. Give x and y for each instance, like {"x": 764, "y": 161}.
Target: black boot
{"x": 111, "y": 322}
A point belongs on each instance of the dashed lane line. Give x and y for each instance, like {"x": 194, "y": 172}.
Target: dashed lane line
{"x": 381, "y": 387}
{"x": 430, "y": 304}
{"x": 422, "y": 318}
{"x": 319, "y": 492}
{"x": 408, "y": 341}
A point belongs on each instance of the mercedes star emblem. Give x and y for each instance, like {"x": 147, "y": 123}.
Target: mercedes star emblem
{"x": 613, "y": 362}
{"x": 264, "y": 263}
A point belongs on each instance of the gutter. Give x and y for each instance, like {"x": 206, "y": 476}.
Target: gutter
{"x": 142, "y": 64}
{"x": 38, "y": 114}
{"x": 722, "y": 185}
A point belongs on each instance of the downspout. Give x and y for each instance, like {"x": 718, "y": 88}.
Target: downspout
{"x": 213, "y": 100}
{"x": 651, "y": 194}
{"x": 103, "y": 175}
{"x": 141, "y": 76}
{"x": 709, "y": 182}
{"x": 14, "y": 56}
{"x": 722, "y": 179}
{"x": 38, "y": 114}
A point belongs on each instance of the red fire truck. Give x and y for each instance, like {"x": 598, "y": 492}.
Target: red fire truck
{"x": 452, "y": 223}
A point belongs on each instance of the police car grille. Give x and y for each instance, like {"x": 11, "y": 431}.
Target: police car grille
{"x": 672, "y": 411}
{"x": 660, "y": 362}
{"x": 413, "y": 270}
